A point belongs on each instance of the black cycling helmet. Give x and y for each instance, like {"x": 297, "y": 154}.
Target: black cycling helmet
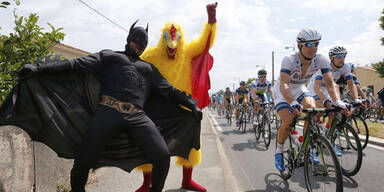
{"x": 262, "y": 72}
{"x": 227, "y": 88}
{"x": 242, "y": 82}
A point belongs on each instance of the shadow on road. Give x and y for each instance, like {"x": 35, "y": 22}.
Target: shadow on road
{"x": 349, "y": 182}
{"x": 273, "y": 182}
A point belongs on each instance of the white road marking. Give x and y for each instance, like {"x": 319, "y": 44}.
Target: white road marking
{"x": 217, "y": 126}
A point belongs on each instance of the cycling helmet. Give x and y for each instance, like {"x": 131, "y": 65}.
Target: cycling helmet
{"x": 242, "y": 82}
{"x": 227, "y": 88}
{"x": 262, "y": 72}
{"x": 352, "y": 66}
{"x": 337, "y": 50}
{"x": 307, "y": 35}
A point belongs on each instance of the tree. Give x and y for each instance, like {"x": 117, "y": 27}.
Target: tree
{"x": 250, "y": 81}
{"x": 25, "y": 45}
{"x": 379, "y": 67}
{"x": 4, "y": 4}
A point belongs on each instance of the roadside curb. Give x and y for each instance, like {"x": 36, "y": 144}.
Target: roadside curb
{"x": 229, "y": 179}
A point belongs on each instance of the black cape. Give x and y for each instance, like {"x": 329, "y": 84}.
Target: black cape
{"x": 55, "y": 110}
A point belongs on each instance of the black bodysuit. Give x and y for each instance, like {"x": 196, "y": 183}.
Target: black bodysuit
{"x": 127, "y": 79}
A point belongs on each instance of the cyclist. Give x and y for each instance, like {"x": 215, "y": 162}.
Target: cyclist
{"x": 213, "y": 98}
{"x": 342, "y": 83}
{"x": 241, "y": 97}
{"x": 290, "y": 91}
{"x": 228, "y": 97}
{"x": 370, "y": 98}
{"x": 259, "y": 88}
{"x": 317, "y": 85}
{"x": 219, "y": 102}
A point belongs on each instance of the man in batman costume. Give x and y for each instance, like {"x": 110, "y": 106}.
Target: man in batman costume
{"x": 103, "y": 109}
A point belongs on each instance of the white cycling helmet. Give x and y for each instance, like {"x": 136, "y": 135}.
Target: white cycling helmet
{"x": 307, "y": 35}
{"x": 337, "y": 50}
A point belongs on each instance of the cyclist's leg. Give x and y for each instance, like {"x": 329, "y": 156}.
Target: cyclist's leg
{"x": 307, "y": 101}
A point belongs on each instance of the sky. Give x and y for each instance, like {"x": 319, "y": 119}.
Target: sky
{"x": 248, "y": 30}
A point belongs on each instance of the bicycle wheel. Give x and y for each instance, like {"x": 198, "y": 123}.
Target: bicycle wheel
{"x": 277, "y": 122}
{"x": 348, "y": 144}
{"x": 240, "y": 120}
{"x": 266, "y": 131}
{"x": 244, "y": 123}
{"x": 326, "y": 175}
{"x": 360, "y": 125}
{"x": 288, "y": 155}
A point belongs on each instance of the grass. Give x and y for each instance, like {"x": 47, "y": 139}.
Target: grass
{"x": 375, "y": 129}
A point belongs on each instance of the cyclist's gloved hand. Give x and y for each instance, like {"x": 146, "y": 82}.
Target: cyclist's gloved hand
{"x": 357, "y": 101}
{"x": 341, "y": 104}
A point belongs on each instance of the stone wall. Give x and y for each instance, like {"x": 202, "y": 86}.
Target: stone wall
{"x": 16, "y": 164}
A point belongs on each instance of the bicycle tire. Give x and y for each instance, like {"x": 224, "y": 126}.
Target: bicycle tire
{"x": 322, "y": 143}
{"x": 288, "y": 160}
{"x": 356, "y": 146}
{"x": 356, "y": 127}
{"x": 267, "y": 131}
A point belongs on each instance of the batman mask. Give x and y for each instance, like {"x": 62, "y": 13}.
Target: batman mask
{"x": 138, "y": 35}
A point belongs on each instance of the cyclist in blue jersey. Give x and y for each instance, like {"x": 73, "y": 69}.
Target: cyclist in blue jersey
{"x": 259, "y": 89}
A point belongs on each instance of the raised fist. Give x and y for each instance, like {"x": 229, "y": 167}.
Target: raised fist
{"x": 211, "y": 10}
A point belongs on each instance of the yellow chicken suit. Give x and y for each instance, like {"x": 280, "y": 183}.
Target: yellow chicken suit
{"x": 177, "y": 69}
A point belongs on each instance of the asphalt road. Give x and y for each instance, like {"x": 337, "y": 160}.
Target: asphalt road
{"x": 253, "y": 165}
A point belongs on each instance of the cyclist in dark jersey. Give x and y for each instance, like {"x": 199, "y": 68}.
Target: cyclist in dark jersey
{"x": 228, "y": 97}
{"x": 242, "y": 97}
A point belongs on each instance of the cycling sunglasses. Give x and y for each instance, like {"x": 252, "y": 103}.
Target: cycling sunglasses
{"x": 262, "y": 77}
{"x": 311, "y": 44}
{"x": 341, "y": 55}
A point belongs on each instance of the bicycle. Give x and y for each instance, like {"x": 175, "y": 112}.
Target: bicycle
{"x": 264, "y": 125}
{"x": 347, "y": 142}
{"x": 242, "y": 118}
{"x": 328, "y": 169}
{"x": 228, "y": 115}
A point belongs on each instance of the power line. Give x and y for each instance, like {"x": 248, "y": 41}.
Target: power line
{"x": 103, "y": 16}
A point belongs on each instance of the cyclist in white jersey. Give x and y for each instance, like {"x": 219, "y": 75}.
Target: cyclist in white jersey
{"x": 259, "y": 88}
{"x": 290, "y": 91}
{"x": 339, "y": 70}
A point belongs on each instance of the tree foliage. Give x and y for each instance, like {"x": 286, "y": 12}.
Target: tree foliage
{"x": 5, "y": 4}
{"x": 379, "y": 66}
{"x": 24, "y": 45}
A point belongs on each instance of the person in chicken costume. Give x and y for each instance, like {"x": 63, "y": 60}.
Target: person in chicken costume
{"x": 185, "y": 66}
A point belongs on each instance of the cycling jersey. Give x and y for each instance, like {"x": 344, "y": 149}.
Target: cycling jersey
{"x": 291, "y": 65}
{"x": 342, "y": 82}
{"x": 228, "y": 96}
{"x": 241, "y": 94}
{"x": 342, "y": 72}
{"x": 220, "y": 99}
{"x": 261, "y": 88}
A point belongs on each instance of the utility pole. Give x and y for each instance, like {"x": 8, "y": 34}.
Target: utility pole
{"x": 273, "y": 68}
